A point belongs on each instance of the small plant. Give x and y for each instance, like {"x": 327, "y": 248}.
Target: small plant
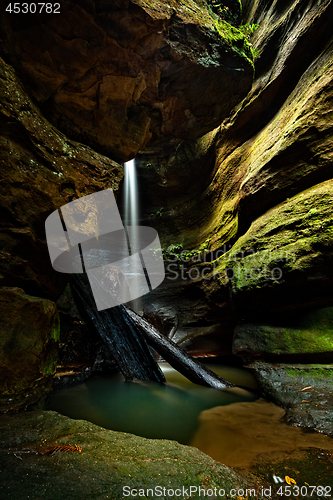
{"x": 248, "y": 29}
{"x": 255, "y": 52}
{"x": 158, "y": 212}
{"x": 222, "y": 10}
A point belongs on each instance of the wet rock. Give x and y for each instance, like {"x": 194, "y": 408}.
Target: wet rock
{"x": 186, "y": 321}
{"x": 302, "y": 336}
{"x": 118, "y": 76}
{"x": 305, "y": 391}
{"x": 109, "y": 461}
{"x": 28, "y": 348}
{"x": 273, "y": 146}
{"x": 41, "y": 170}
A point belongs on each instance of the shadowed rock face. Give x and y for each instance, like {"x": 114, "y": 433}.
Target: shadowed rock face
{"x": 115, "y": 76}
{"x": 121, "y": 75}
{"x": 28, "y": 347}
{"x": 41, "y": 170}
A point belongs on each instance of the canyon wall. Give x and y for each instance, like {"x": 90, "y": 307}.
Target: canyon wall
{"x": 231, "y": 129}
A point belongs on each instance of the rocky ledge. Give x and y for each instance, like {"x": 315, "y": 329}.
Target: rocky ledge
{"x": 304, "y": 390}
{"x": 108, "y": 461}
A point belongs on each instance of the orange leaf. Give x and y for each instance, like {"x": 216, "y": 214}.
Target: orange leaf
{"x": 54, "y": 449}
{"x": 290, "y": 480}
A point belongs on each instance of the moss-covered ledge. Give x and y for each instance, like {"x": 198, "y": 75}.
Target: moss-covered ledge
{"x": 109, "y": 461}
{"x": 302, "y": 335}
{"x": 284, "y": 260}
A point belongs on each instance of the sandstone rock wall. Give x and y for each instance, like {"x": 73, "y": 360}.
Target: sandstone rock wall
{"x": 268, "y": 166}
{"x": 116, "y": 76}
{"x": 41, "y": 170}
{"x": 121, "y": 75}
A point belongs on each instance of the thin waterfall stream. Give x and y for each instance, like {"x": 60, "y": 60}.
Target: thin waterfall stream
{"x": 132, "y": 222}
{"x": 131, "y": 194}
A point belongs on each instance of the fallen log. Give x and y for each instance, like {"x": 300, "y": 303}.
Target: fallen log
{"x": 118, "y": 331}
{"x": 192, "y": 369}
{"x": 127, "y": 335}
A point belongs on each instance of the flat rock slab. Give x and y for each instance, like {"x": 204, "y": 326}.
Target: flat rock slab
{"x": 109, "y": 461}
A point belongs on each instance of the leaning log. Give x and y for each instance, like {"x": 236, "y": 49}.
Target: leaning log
{"x": 192, "y": 369}
{"x": 116, "y": 328}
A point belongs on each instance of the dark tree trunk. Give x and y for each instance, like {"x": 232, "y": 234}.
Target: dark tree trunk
{"x": 127, "y": 345}
{"x": 195, "y": 371}
{"x": 127, "y": 335}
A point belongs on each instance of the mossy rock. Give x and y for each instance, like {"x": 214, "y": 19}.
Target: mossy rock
{"x": 109, "y": 461}
{"x": 28, "y": 347}
{"x": 285, "y": 258}
{"x": 308, "y": 336}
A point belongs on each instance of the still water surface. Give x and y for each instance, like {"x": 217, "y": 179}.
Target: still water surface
{"x": 149, "y": 409}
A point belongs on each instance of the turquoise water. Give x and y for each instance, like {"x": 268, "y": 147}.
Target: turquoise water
{"x": 149, "y": 409}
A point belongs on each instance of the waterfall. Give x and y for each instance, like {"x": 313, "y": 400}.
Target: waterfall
{"x": 132, "y": 222}
{"x": 131, "y": 194}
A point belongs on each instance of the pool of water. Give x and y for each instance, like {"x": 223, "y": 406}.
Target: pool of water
{"x": 149, "y": 409}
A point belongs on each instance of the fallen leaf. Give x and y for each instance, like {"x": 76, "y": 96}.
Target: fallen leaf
{"x": 305, "y": 388}
{"x": 290, "y": 480}
{"x": 53, "y": 449}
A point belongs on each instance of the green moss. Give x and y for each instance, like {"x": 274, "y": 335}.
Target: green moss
{"x": 299, "y": 334}
{"x": 292, "y": 373}
{"x": 295, "y": 236}
{"x": 322, "y": 372}
{"x": 50, "y": 364}
{"x": 227, "y": 10}
{"x": 198, "y": 12}
{"x": 235, "y": 39}
{"x": 56, "y": 328}
{"x": 109, "y": 461}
